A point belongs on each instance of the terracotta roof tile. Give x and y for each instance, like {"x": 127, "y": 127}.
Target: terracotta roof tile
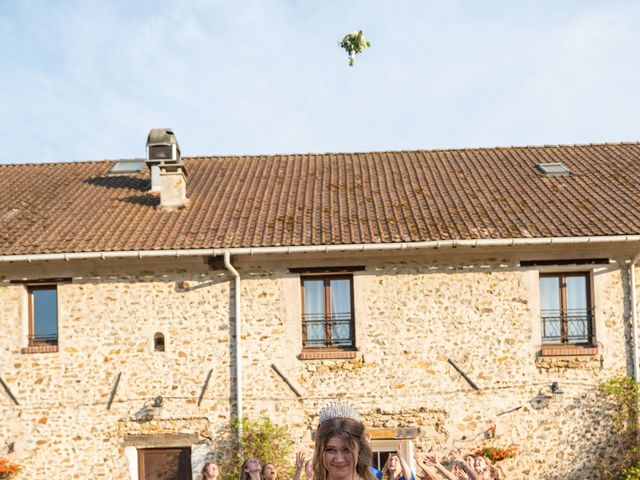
{"x": 313, "y": 199}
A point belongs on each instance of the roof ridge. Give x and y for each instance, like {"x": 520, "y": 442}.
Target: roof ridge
{"x": 419, "y": 150}
{"x": 70, "y": 162}
{"x": 308, "y": 154}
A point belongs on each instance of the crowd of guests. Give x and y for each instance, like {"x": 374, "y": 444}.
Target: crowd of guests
{"x": 469, "y": 467}
{"x": 396, "y": 468}
{"x": 342, "y": 452}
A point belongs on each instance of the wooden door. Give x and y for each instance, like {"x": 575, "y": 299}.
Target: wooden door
{"x": 164, "y": 464}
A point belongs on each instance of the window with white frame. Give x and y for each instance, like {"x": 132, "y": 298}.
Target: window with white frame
{"x": 382, "y": 448}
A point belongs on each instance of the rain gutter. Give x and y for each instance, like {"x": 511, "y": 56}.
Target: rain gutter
{"x": 356, "y": 247}
{"x": 360, "y": 247}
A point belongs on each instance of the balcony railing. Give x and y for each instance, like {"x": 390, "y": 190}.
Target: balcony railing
{"x": 44, "y": 339}
{"x": 322, "y": 330}
{"x": 573, "y": 326}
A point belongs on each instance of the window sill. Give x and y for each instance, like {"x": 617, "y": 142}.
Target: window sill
{"x": 328, "y": 354}
{"x": 40, "y": 349}
{"x": 567, "y": 350}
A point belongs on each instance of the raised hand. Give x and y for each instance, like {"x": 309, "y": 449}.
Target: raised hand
{"x": 459, "y": 474}
{"x": 300, "y": 466}
{"x": 431, "y": 461}
{"x": 299, "y": 461}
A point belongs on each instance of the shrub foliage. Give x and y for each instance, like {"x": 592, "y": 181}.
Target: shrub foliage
{"x": 260, "y": 439}
{"x": 622, "y": 394}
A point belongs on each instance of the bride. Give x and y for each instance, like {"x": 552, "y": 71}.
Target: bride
{"x": 341, "y": 451}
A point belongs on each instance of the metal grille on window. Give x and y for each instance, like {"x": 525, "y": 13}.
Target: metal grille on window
{"x": 327, "y": 314}
{"x": 566, "y": 315}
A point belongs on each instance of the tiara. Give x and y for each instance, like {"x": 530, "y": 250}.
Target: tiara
{"x": 338, "y": 409}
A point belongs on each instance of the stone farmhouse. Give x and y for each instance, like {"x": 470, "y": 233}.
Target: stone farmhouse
{"x": 454, "y": 296}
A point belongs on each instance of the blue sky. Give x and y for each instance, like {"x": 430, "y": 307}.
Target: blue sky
{"x": 86, "y": 80}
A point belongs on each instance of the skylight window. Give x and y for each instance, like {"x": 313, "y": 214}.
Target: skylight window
{"x": 121, "y": 167}
{"x": 552, "y": 169}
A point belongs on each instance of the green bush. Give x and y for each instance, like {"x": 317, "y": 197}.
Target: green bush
{"x": 633, "y": 473}
{"x": 261, "y": 439}
{"x": 621, "y": 394}
{"x": 624, "y": 393}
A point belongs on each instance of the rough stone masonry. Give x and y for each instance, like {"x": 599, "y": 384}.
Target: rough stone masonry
{"x": 413, "y": 312}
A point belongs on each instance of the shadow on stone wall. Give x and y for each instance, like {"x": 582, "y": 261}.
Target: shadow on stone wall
{"x": 598, "y": 443}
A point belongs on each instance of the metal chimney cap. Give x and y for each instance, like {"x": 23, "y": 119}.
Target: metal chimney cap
{"x": 161, "y": 136}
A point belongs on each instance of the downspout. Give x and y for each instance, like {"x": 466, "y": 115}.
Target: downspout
{"x": 238, "y": 331}
{"x": 634, "y": 319}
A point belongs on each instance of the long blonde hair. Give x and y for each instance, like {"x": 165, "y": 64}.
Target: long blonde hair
{"x": 386, "y": 473}
{"x": 352, "y": 434}
{"x": 204, "y": 469}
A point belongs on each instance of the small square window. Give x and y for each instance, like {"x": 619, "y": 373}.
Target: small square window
{"x": 552, "y": 169}
{"x": 158, "y": 342}
{"x": 43, "y": 315}
{"x": 127, "y": 166}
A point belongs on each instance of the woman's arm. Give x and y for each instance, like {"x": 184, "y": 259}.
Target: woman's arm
{"x": 431, "y": 474}
{"x": 428, "y": 473}
{"x": 434, "y": 463}
{"x": 299, "y": 465}
{"x": 459, "y": 473}
{"x": 406, "y": 469}
{"x": 308, "y": 470}
{"x": 471, "y": 473}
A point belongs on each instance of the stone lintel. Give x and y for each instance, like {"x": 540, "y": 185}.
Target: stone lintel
{"x": 393, "y": 433}
{"x": 165, "y": 440}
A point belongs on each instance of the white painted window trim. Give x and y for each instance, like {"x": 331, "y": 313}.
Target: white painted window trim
{"x": 389, "y": 445}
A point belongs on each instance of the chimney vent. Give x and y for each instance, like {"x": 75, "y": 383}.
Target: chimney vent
{"x": 162, "y": 147}
{"x": 168, "y": 174}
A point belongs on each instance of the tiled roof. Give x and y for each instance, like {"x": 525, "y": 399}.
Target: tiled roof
{"x": 285, "y": 200}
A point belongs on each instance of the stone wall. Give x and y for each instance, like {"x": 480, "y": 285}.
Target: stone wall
{"x": 413, "y": 313}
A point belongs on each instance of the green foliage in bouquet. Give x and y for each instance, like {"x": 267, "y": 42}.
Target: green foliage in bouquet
{"x": 354, "y": 43}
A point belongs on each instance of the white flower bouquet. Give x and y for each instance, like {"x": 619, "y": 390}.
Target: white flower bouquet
{"x": 353, "y": 43}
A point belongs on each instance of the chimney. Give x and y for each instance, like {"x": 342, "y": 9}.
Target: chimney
{"x": 168, "y": 174}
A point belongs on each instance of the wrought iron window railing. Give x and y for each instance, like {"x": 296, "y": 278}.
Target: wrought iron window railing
{"x": 43, "y": 339}
{"x": 572, "y": 326}
{"x": 320, "y": 330}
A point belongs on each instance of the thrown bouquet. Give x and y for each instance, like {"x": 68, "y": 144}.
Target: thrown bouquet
{"x": 354, "y": 43}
